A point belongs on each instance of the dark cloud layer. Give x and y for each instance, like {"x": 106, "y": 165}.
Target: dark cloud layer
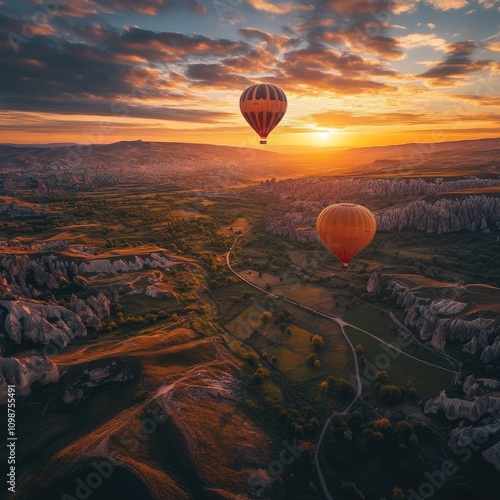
{"x": 458, "y": 62}
{"x": 100, "y": 66}
{"x": 74, "y": 62}
{"x": 89, "y": 8}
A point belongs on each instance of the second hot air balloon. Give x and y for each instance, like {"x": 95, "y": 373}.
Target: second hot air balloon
{"x": 345, "y": 229}
{"x": 263, "y": 106}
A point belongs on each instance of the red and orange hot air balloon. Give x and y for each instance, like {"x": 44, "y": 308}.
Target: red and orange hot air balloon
{"x": 263, "y": 107}
{"x": 345, "y": 229}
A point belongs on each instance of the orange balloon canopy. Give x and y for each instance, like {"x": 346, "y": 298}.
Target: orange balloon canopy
{"x": 263, "y": 106}
{"x": 345, "y": 229}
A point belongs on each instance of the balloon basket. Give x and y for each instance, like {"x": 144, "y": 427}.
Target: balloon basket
{"x": 263, "y": 141}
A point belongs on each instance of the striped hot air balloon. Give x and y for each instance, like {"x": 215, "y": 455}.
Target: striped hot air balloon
{"x": 345, "y": 229}
{"x": 263, "y": 106}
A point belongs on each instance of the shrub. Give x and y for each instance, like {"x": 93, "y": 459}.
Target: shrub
{"x": 381, "y": 424}
{"x": 266, "y": 317}
{"x": 390, "y": 393}
{"x": 350, "y": 491}
{"x": 397, "y": 494}
{"x": 317, "y": 342}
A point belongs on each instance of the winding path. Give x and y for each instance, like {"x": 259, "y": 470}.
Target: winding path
{"x": 342, "y": 324}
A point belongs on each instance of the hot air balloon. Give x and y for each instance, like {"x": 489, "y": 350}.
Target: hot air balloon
{"x": 345, "y": 229}
{"x": 263, "y": 106}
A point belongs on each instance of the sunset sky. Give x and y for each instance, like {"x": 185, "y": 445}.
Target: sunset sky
{"x": 356, "y": 72}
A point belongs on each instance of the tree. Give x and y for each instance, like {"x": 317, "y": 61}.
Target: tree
{"x": 404, "y": 428}
{"x": 341, "y": 387}
{"x": 323, "y": 387}
{"x": 288, "y": 331}
{"x": 266, "y": 317}
{"x": 317, "y": 364}
{"x": 259, "y": 375}
{"x": 317, "y": 342}
{"x": 381, "y": 424}
{"x": 397, "y": 493}
{"x": 268, "y": 287}
{"x": 413, "y": 440}
{"x": 351, "y": 492}
{"x": 311, "y": 359}
{"x": 390, "y": 393}
{"x": 359, "y": 351}
{"x": 373, "y": 438}
{"x": 383, "y": 376}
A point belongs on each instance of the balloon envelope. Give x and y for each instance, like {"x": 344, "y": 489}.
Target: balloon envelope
{"x": 345, "y": 229}
{"x": 263, "y": 106}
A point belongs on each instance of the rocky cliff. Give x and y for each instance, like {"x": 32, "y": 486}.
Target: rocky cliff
{"x": 476, "y": 405}
{"x": 22, "y": 372}
{"x": 434, "y": 320}
{"x": 443, "y": 215}
{"x": 295, "y": 204}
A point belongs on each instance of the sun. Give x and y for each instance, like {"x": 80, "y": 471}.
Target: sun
{"x": 324, "y": 136}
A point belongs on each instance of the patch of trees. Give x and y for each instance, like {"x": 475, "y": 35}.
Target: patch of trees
{"x": 391, "y": 393}
{"x": 356, "y": 439}
{"x": 338, "y": 387}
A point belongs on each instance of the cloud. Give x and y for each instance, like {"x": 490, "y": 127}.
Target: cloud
{"x": 87, "y": 8}
{"x": 458, "y": 64}
{"x": 357, "y": 25}
{"x": 494, "y": 46}
{"x": 489, "y": 4}
{"x": 344, "y": 119}
{"x": 431, "y": 26}
{"x": 215, "y": 75}
{"x": 447, "y": 4}
{"x": 492, "y": 43}
{"x": 146, "y": 45}
{"x": 316, "y": 57}
{"x": 103, "y": 67}
{"x": 118, "y": 108}
{"x": 415, "y": 40}
{"x": 481, "y": 100}
{"x": 274, "y": 43}
{"x": 278, "y": 8}
{"x": 309, "y": 80}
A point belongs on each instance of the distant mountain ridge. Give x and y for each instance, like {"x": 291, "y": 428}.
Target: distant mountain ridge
{"x": 442, "y": 158}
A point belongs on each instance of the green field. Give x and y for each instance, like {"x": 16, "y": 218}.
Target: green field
{"x": 428, "y": 380}
{"x": 379, "y": 324}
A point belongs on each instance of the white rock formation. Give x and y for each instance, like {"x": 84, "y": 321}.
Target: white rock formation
{"x": 23, "y": 371}
{"x": 475, "y": 386}
{"x": 40, "y": 322}
{"x": 464, "y": 436}
{"x": 151, "y": 291}
{"x": 491, "y": 352}
{"x": 458, "y": 409}
{"x": 434, "y": 321}
{"x": 492, "y": 455}
{"x": 373, "y": 285}
{"x": 108, "y": 266}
